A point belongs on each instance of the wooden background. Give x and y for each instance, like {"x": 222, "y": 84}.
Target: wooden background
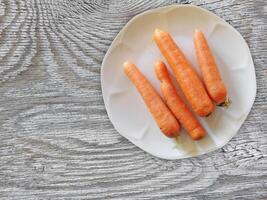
{"x": 56, "y": 141}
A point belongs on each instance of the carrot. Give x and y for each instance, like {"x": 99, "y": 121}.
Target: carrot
{"x": 161, "y": 113}
{"x": 184, "y": 73}
{"x": 176, "y": 104}
{"x": 209, "y": 70}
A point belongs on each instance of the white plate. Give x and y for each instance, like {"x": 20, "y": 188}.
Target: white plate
{"x": 126, "y": 108}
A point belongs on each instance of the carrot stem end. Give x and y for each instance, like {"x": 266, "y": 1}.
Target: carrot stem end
{"x": 226, "y": 103}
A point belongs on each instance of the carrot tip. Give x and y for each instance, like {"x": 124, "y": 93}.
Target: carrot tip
{"x": 126, "y": 63}
{"x": 226, "y": 103}
{"x": 158, "y": 32}
{"x": 198, "y": 32}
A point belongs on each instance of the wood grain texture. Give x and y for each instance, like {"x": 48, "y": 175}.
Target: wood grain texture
{"x": 56, "y": 141}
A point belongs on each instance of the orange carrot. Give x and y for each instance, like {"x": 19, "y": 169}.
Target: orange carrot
{"x": 184, "y": 73}
{"x": 176, "y": 104}
{"x": 209, "y": 70}
{"x": 161, "y": 113}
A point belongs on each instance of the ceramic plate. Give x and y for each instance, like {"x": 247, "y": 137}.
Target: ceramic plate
{"x": 125, "y": 106}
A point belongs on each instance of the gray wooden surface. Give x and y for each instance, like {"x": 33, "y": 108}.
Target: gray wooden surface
{"x": 56, "y": 141}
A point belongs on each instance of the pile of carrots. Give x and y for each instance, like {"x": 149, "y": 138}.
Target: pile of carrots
{"x": 171, "y": 111}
